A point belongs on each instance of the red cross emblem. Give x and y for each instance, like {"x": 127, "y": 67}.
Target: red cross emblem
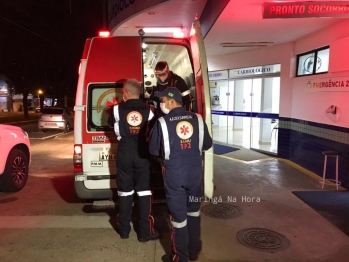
{"x": 134, "y": 118}
{"x": 184, "y": 129}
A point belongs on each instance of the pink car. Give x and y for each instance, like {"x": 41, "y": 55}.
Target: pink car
{"x": 15, "y": 158}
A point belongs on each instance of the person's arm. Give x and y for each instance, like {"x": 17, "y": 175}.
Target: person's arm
{"x": 207, "y": 143}
{"x": 184, "y": 89}
{"x": 150, "y": 95}
{"x": 155, "y": 141}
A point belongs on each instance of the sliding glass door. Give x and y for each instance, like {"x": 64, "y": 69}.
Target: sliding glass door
{"x": 245, "y": 112}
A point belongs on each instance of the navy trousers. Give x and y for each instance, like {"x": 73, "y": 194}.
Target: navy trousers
{"x": 183, "y": 185}
{"x": 133, "y": 176}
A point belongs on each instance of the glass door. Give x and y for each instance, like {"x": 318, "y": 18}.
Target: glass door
{"x": 265, "y": 97}
{"x": 245, "y": 112}
{"x": 239, "y": 134}
{"x": 220, "y": 103}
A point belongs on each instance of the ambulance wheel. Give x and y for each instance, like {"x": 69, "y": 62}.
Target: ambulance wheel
{"x": 15, "y": 175}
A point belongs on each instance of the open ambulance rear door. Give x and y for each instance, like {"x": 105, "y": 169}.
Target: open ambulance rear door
{"x": 203, "y": 99}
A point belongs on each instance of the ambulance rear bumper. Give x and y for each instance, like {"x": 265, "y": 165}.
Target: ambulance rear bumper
{"x": 95, "y": 194}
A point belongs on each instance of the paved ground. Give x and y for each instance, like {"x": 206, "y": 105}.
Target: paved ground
{"x": 47, "y": 222}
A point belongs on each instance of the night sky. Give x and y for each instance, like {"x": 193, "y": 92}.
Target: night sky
{"x": 41, "y": 42}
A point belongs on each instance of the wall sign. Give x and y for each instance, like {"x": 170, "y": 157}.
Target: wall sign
{"x": 218, "y": 75}
{"x": 336, "y": 84}
{"x": 257, "y": 70}
{"x": 305, "y": 9}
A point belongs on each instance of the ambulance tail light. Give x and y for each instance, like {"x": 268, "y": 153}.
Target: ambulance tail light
{"x": 77, "y": 159}
{"x": 63, "y": 117}
{"x": 104, "y": 33}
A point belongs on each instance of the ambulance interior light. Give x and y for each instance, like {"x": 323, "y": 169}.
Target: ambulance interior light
{"x": 162, "y": 29}
{"x": 178, "y": 34}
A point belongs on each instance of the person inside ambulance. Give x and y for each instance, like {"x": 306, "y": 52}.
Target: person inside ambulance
{"x": 180, "y": 137}
{"x": 131, "y": 126}
{"x": 166, "y": 78}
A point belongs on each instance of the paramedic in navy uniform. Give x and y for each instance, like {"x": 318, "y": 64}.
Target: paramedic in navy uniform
{"x": 166, "y": 78}
{"x": 132, "y": 119}
{"x": 180, "y": 137}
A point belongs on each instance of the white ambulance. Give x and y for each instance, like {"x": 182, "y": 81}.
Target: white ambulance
{"x": 105, "y": 63}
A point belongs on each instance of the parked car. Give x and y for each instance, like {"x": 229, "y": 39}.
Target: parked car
{"x": 15, "y": 158}
{"x": 38, "y": 109}
{"x": 56, "y": 118}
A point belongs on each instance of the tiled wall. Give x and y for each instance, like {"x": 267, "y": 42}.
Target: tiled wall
{"x": 303, "y": 143}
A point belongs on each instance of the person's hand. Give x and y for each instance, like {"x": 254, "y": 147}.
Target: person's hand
{"x": 146, "y": 95}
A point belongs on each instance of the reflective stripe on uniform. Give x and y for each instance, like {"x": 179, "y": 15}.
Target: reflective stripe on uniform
{"x": 194, "y": 214}
{"x": 201, "y": 132}
{"x": 165, "y": 137}
{"x": 151, "y": 115}
{"x": 120, "y": 193}
{"x": 117, "y": 119}
{"x": 179, "y": 224}
{"x": 185, "y": 93}
{"x": 144, "y": 193}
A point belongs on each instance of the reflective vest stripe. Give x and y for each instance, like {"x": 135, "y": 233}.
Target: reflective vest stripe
{"x": 165, "y": 137}
{"x": 201, "y": 132}
{"x": 194, "y": 214}
{"x": 185, "y": 93}
{"x": 179, "y": 224}
{"x": 151, "y": 115}
{"x": 120, "y": 193}
{"x": 144, "y": 193}
{"x": 116, "y": 124}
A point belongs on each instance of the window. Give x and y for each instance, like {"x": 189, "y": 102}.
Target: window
{"x": 313, "y": 62}
{"x": 101, "y": 99}
{"x": 52, "y": 111}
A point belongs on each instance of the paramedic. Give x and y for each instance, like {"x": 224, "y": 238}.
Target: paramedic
{"x": 180, "y": 137}
{"x": 131, "y": 127}
{"x": 166, "y": 78}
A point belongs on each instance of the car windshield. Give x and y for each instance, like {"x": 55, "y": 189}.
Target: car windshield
{"x": 53, "y": 111}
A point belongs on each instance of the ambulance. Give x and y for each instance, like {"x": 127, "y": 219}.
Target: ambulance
{"x": 106, "y": 62}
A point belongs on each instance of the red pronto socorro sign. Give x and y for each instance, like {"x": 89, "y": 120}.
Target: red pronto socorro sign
{"x": 305, "y": 9}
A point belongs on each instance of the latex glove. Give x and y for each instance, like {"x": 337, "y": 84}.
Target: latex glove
{"x": 146, "y": 95}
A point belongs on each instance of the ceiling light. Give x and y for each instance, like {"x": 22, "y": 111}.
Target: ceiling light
{"x": 161, "y": 29}
{"x": 247, "y": 44}
{"x": 178, "y": 34}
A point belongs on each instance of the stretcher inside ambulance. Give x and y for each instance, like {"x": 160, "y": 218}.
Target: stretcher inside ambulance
{"x": 105, "y": 63}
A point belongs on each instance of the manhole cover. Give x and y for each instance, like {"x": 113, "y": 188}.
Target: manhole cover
{"x": 263, "y": 239}
{"x": 221, "y": 211}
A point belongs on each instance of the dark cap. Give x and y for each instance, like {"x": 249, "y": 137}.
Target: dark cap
{"x": 161, "y": 66}
{"x": 170, "y": 92}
